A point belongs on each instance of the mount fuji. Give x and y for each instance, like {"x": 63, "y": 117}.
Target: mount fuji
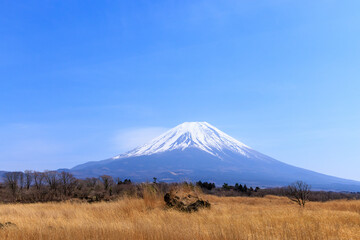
{"x": 195, "y": 151}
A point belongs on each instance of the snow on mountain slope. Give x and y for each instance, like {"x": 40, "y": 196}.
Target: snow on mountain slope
{"x": 200, "y": 135}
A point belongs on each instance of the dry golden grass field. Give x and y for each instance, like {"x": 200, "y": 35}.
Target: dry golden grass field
{"x": 229, "y": 218}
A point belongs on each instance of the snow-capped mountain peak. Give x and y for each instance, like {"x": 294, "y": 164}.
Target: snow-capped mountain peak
{"x": 200, "y": 135}
{"x": 195, "y": 151}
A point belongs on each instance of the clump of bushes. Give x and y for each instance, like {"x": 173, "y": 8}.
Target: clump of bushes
{"x": 205, "y": 185}
{"x": 240, "y": 189}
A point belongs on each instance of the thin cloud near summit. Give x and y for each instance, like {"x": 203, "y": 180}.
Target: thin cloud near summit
{"x": 128, "y": 139}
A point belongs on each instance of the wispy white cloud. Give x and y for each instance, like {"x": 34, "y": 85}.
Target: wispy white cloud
{"x": 128, "y": 139}
{"x": 48, "y": 146}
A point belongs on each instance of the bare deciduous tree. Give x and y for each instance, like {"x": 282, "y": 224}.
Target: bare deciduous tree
{"x": 68, "y": 182}
{"x": 51, "y": 178}
{"x": 299, "y": 192}
{"x": 38, "y": 179}
{"x": 91, "y": 182}
{"x": 108, "y": 182}
{"x": 28, "y": 179}
{"x": 21, "y": 180}
{"x": 11, "y": 180}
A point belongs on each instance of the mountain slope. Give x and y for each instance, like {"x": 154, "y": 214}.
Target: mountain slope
{"x": 195, "y": 151}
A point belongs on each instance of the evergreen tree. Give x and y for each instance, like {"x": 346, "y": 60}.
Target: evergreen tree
{"x": 226, "y": 186}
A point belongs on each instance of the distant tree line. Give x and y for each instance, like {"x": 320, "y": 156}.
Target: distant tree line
{"x": 286, "y": 191}
{"x": 34, "y": 186}
{"x": 226, "y": 189}
{"x": 240, "y": 188}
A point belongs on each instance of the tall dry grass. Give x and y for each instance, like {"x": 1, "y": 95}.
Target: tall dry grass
{"x": 229, "y": 218}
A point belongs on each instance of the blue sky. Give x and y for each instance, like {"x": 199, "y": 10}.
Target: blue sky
{"x": 84, "y": 81}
